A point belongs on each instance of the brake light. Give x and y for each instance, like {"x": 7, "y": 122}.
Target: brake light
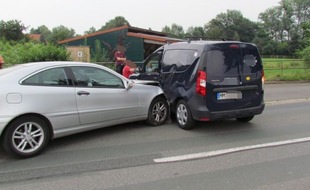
{"x": 263, "y": 79}
{"x": 234, "y": 46}
{"x": 201, "y": 83}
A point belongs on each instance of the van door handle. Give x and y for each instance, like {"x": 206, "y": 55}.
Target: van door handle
{"x": 80, "y": 93}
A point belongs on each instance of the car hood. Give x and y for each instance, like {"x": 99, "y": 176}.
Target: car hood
{"x": 147, "y": 82}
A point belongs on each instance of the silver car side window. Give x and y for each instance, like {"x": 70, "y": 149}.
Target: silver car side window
{"x": 49, "y": 77}
{"x": 96, "y": 77}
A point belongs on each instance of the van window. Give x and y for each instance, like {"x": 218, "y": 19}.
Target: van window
{"x": 152, "y": 63}
{"x": 251, "y": 59}
{"x": 232, "y": 59}
{"x": 178, "y": 60}
{"x": 223, "y": 60}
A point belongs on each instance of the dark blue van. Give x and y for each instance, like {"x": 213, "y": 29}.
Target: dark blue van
{"x": 208, "y": 80}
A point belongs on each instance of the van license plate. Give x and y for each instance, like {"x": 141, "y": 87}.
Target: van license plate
{"x": 228, "y": 95}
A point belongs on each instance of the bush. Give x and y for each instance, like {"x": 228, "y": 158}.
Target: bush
{"x": 100, "y": 54}
{"x": 24, "y": 52}
{"x": 305, "y": 53}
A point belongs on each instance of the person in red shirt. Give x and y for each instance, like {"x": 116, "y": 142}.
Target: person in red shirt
{"x": 120, "y": 59}
{"x": 127, "y": 70}
{"x": 1, "y": 61}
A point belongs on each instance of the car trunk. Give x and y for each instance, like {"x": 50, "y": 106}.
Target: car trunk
{"x": 234, "y": 76}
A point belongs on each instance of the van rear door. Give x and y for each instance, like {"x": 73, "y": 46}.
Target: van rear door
{"x": 234, "y": 73}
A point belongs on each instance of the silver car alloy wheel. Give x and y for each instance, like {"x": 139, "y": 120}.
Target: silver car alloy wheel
{"x": 182, "y": 114}
{"x": 28, "y": 137}
{"x": 159, "y": 111}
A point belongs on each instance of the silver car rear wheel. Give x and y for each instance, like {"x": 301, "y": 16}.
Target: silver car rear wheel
{"x": 26, "y": 137}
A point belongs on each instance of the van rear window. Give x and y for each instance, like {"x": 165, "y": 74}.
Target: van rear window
{"x": 232, "y": 59}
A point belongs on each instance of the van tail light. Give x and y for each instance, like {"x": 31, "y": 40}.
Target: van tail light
{"x": 263, "y": 79}
{"x": 234, "y": 46}
{"x": 201, "y": 83}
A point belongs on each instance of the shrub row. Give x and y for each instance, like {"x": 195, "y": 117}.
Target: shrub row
{"x": 17, "y": 53}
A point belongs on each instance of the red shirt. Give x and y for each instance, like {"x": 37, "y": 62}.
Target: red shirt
{"x": 126, "y": 71}
{"x": 1, "y": 61}
{"x": 120, "y": 55}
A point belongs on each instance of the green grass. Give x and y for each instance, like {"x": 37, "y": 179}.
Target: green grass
{"x": 286, "y": 69}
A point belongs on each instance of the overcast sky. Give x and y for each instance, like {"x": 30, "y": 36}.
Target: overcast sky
{"x": 81, "y": 15}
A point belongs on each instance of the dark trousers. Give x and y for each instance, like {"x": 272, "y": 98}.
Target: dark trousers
{"x": 119, "y": 68}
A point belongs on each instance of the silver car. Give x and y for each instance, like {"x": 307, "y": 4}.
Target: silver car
{"x": 46, "y": 100}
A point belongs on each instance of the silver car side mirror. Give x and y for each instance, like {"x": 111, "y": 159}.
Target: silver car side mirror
{"x": 129, "y": 85}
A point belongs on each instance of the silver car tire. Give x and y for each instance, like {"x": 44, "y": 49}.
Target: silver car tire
{"x": 26, "y": 137}
{"x": 183, "y": 116}
{"x": 158, "y": 112}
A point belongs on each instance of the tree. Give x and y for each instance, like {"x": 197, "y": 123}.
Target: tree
{"x": 116, "y": 22}
{"x": 44, "y": 31}
{"x": 90, "y": 31}
{"x": 100, "y": 54}
{"x": 60, "y": 33}
{"x": 262, "y": 39}
{"x": 306, "y": 28}
{"x": 175, "y": 31}
{"x": 283, "y": 23}
{"x": 195, "y": 32}
{"x": 305, "y": 52}
{"x": 12, "y": 30}
{"x": 231, "y": 25}
{"x": 40, "y": 30}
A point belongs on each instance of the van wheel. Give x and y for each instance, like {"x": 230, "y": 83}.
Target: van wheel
{"x": 183, "y": 116}
{"x": 245, "y": 119}
{"x": 158, "y": 112}
{"x": 26, "y": 137}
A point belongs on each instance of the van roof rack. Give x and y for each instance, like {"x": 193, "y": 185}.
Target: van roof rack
{"x": 195, "y": 38}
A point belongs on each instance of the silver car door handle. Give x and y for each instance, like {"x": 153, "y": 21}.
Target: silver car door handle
{"x": 80, "y": 93}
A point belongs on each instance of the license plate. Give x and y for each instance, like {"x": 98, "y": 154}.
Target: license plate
{"x": 228, "y": 95}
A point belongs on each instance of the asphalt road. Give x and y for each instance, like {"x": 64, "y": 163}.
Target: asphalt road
{"x": 270, "y": 152}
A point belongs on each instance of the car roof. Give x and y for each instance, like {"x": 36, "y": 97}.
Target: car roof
{"x": 45, "y": 64}
{"x": 35, "y": 66}
{"x": 55, "y": 63}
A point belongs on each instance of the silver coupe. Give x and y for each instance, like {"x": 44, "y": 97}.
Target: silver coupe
{"x": 46, "y": 100}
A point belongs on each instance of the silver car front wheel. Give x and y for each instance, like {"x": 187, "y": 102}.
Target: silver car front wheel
{"x": 158, "y": 112}
{"x": 26, "y": 137}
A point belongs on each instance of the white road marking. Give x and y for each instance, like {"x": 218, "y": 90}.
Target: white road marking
{"x": 288, "y": 101}
{"x": 229, "y": 150}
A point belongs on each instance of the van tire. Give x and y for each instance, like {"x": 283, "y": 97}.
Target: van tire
{"x": 184, "y": 116}
{"x": 245, "y": 119}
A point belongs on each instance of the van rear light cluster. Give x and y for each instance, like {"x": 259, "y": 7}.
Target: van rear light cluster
{"x": 201, "y": 83}
{"x": 263, "y": 79}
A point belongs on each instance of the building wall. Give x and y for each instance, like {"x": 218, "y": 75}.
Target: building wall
{"x": 134, "y": 49}
{"x": 134, "y": 45}
{"x": 79, "y": 53}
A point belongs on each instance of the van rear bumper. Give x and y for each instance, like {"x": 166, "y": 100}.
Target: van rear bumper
{"x": 203, "y": 114}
